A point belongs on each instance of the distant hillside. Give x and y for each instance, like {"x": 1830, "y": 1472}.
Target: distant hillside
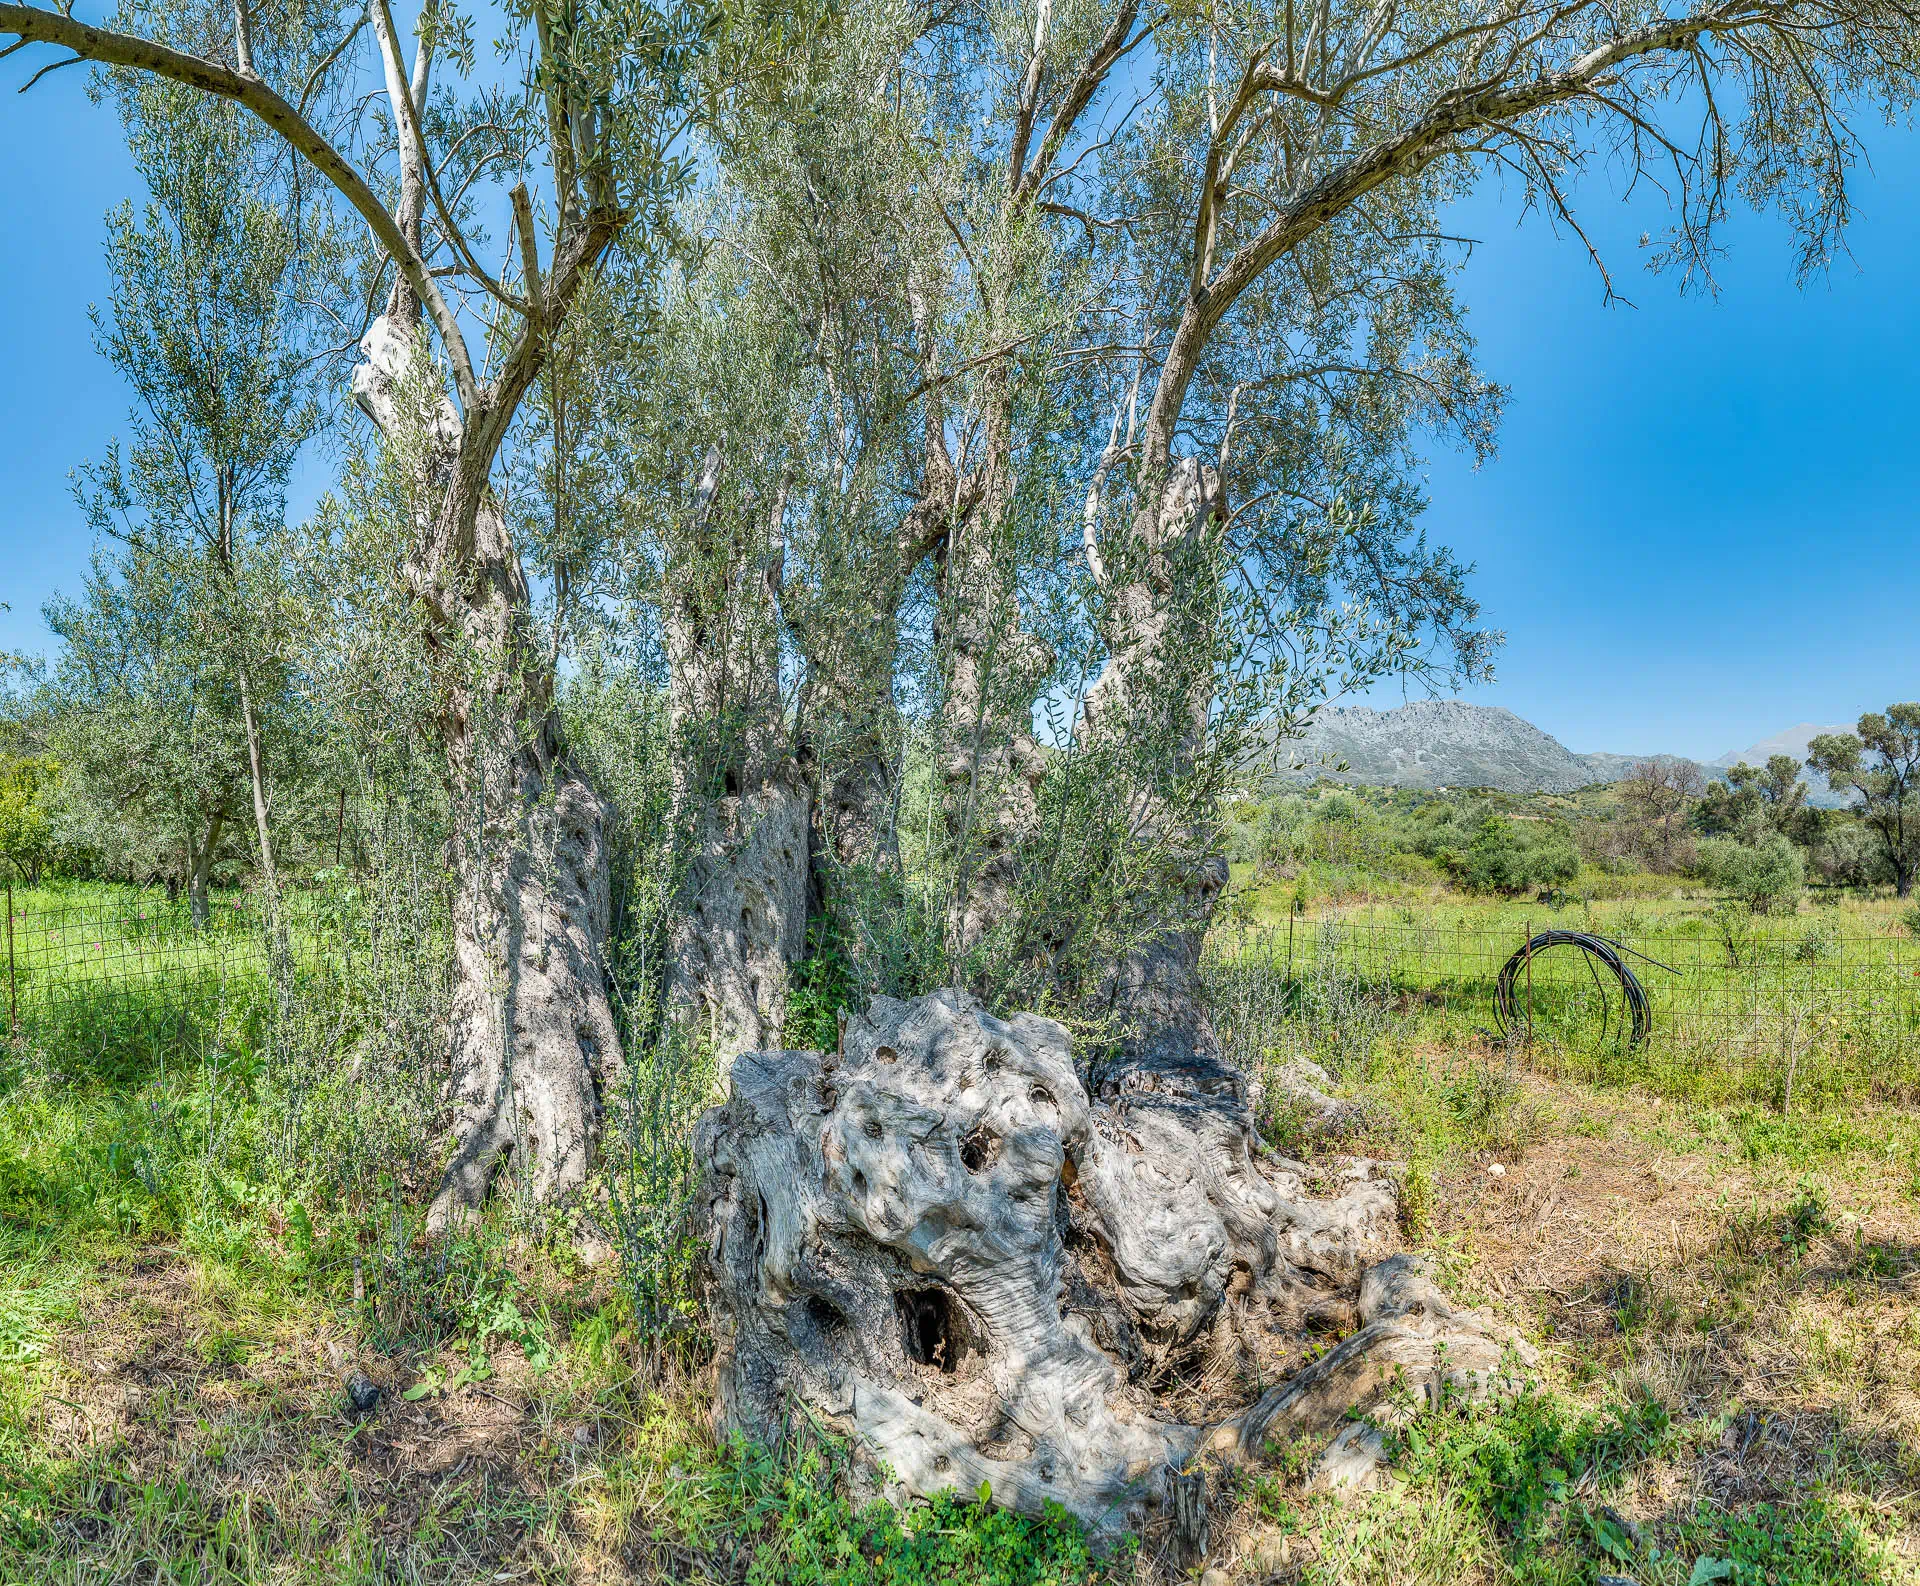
{"x": 1434, "y": 743}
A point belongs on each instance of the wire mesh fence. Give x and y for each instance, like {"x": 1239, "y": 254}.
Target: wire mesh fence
{"x": 1739, "y": 1005}
{"x": 109, "y": 979}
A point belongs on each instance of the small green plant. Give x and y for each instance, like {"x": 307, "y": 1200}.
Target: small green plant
{"x": 1807, "y": 1217}
{"x": 1416, "y": 1202}
{"x": 789, "y": 1521}
{"x": 1819, "y": 944}
{"x": 819, "y": 989}
{"x": 1511, "y": 1462}
{"x": 1774, "y": 1545}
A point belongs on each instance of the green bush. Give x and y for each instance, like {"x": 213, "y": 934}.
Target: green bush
{"x": 1505, "y": 857}
{"x": 1767, "y": 876}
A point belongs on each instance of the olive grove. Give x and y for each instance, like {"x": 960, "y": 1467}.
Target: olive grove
{"x": 991, "y": 428}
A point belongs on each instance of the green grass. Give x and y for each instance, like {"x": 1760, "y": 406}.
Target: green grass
{"x": 1825, "y": 1006}
{"x": 174, "y": 1275}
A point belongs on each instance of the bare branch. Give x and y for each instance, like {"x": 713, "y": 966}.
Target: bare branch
{"x": 110, "y": 48}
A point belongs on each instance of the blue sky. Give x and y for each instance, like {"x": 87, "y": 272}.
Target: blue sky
{"x": 1700, "y": 528}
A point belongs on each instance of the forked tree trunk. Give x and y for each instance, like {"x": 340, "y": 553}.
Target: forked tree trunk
{"x": 989, "y": 1263}
{"x": 533, "y": 1048}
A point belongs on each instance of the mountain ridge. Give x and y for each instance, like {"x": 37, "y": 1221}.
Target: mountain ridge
{"x": 1442, "y": 743}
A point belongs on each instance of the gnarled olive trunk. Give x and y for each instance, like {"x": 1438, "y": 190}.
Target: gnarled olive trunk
{"x": 532, "y": 1046}
{"x": 944, "y": 1244}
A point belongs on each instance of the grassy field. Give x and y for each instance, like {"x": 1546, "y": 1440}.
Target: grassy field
{"x": 1724, "y": 1294}
{"x": 1822, "y": 1005}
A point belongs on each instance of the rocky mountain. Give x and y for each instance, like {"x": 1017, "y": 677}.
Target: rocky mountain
{"x": 1434, "y": 743}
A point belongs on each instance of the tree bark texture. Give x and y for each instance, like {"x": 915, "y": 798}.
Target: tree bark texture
{"x": 533, "y": 1048}
{"x": 991, "y": 767}
{"x": 741, "y": 804}
{"x": 944, "y": 1245}
{"x": 1156, "y": 689}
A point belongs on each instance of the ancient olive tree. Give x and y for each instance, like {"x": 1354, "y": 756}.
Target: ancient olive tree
{"x": 994, "y": 1256}
{"x": 568, "y": 138}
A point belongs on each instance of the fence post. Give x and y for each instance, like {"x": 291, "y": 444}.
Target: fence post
{"x": 1527, "y": 927}
{"x": 13, "y": 984}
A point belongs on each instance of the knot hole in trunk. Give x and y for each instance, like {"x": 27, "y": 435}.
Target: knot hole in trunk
{"x": 980, "y": 1149}
{"x": 934, "y": 1331}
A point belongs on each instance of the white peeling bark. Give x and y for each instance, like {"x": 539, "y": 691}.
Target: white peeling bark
{"x": 939, "y": 1241}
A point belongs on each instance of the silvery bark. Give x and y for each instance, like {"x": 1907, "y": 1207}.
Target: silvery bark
{"x": 740, "y": 802}
{"x": 991, "y": 767}
{"x": 943, "y": 1244}
{"x": 1156, "y": 689}
{"x": 532, "y": 1045}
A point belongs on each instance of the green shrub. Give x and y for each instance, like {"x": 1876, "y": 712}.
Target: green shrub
{"x": 1767, "y": 876}
{"x": 1506, "y": 857}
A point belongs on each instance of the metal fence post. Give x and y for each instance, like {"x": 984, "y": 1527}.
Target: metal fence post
{"x": 13, "y": 983}
{"x": 1527, "y": 927}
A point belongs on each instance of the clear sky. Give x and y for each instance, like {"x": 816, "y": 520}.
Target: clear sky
{"x": 1701, "y": 527}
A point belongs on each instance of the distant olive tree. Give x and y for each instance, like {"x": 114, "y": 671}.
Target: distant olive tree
{"x": 206, "y": 327}
{"x": 1880, "y": 762}
{"x": 1754, "y": 801}
{"x": 145, "y": 719}
{"x": 1768, "y": 875}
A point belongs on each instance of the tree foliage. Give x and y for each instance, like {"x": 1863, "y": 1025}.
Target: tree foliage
{"x": 1880, "y": 762}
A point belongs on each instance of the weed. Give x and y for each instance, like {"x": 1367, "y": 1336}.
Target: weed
{"x": 1806, "y": 1218}
{"x": 1510, "y": 1462}
{"x": 1416, "y": 1202}
{"x": 1773, "y": 1545}
{"x": 791, "y": 1521}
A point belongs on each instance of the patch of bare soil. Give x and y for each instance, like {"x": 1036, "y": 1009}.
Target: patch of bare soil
{"x": 172, "y": 1377}
{"x": 1780, "y": 1304}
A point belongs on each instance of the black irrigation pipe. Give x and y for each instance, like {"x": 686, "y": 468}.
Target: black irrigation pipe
{"x": 1640, "y": 1012}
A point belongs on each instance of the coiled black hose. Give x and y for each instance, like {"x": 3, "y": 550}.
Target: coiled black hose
{"x": 1639, "y": 1011}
